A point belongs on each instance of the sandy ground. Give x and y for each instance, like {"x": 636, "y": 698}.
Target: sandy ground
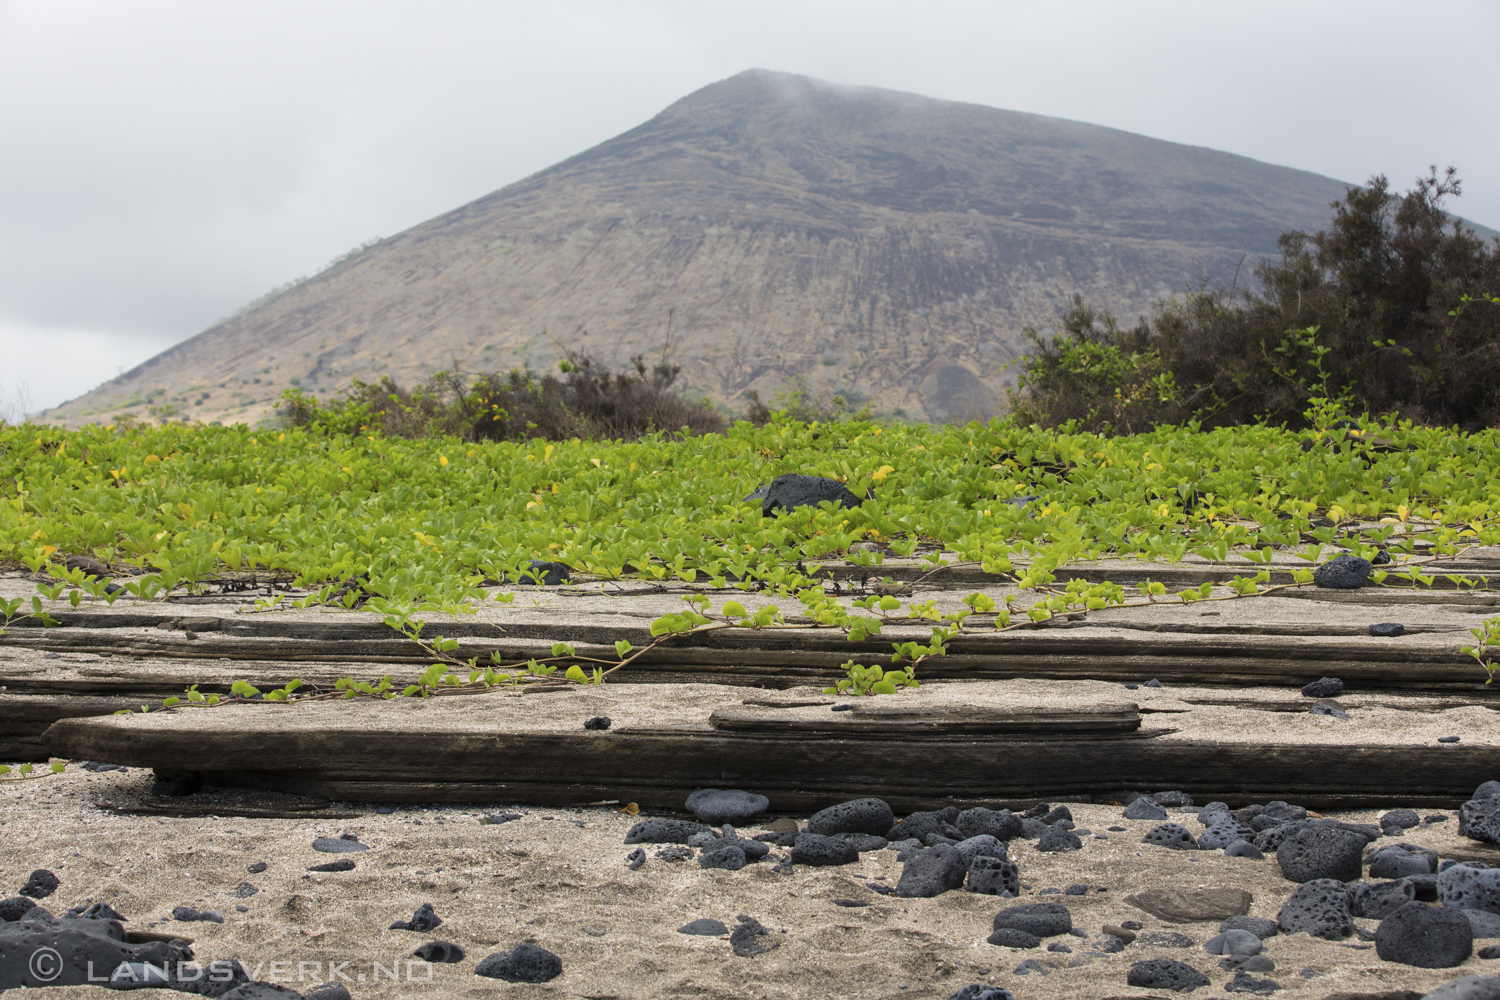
{"x": 558, "y": 878}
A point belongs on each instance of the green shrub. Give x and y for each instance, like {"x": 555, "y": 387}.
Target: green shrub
{"x": 1390, "y": 310}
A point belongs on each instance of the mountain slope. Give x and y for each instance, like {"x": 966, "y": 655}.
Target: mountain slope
{"x": 876, "y": 243}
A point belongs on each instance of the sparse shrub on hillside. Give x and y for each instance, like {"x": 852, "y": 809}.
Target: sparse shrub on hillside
{"x": 588, "y": 401}
{"x": 797, "y": 401}
{"x": 1392, "y": 309}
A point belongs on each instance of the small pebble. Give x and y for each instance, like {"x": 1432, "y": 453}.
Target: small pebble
{"x": 1447, "y": 739}
{"x": 1076, "y": 890}
{"x": 1152, "y": 683}
{"x": 1388, "y": 630}
{"x": 597, "y": 722}
{"x": 843, "y": 708}
{"x": 1132, "y": 687}
{"x": 256, "y": 868}
{"x": 242, "y": 908}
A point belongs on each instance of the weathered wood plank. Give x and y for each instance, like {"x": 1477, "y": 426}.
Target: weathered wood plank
{"x": 874, "y": 722}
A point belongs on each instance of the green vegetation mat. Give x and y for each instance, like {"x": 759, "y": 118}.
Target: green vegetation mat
{"x": 420, "y": 525}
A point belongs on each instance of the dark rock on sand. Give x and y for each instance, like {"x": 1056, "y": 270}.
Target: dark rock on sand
{"x": 542, "y": 573}
{"x": 1002, "y": 824}
{"x": 1479, "y": 819}
{"x": 1388, "y": 630}
{"x": 256, "y": 868}
{"x": 730, "y": 858}
{"x": 1468, "y": 886}
{"x": 820, "y": 851}
{"x": 596, "y": 723}
{"x": 1243, "y": 849}
{"x": 704, "y": 927}
{"x": 664, "y": 831}
{"x": 1467, "y": 988}
{"x": 1344, "y": 573}
{"x": 717, "y": 806}
{"x": 1041, "y": 919}
{"x": 1319, "y": 908}
{"x": 338, "y": 845}
{"x": 41, "y": 884}
{"x": 1165, "y": 974}
{"x": 635, "y": 859}
{"x": 1010, "y": 937}
{"x": 188, "y": 914}
{"x": 1057, "y": 840}
{"x": 979, "y": 991}
{"x": 1321, "y": 852}
{"x": 932, "y": 872}
{"x": 1171, "y": 835}
{"x": 1223, "y": 831}
{"x": 342, "y": 865}
{"x": 445, "y": 952}
{"x": 993, "y": 876}
{"x": 15, "y": 907}
{"x": 1428, "y": 937}
{"x": 1145, "y": 807}
{"x": 1243, "y": 982}
{"x": 922, "y": 825}
{"x": 1323, "y": 687}
{"x": 857, "y": 816}
{"x": 1401, "y": 860}
{"x": 525, "y": 963}
{"x": 423, "y": 920}
{"x": 1261, "y": 927}
{"x": 750, "y": 938}
{"x": 1378, "y": 901}
{"x": 496, "y": 819}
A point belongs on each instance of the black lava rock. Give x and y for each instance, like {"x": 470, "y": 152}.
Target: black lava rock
{"x": 673, "y": 855}
{"x": 496, "y": 819}
{"x": 1404, "y": 818}
{"x": 1060, "y": 813}
{"x": 541, "y": 573}
{"x": 704, "y": 927}
{"x": 717, "y": 806}
{"x": 15, "y": 908}
{"x": 984, "y": 845}
{"x": 327, "y": 991}
{"x": 1387, "y": 630}
{"x": 979, "y": 991}
{"x": 40, "y": 885}
{"x": 1223, "y": 831}
{"x": 1344, "y": 573}
{"x": 1261, "y": 927}
{"x": 750, "y": 938}
{"x": 338, "y": 845}
{"x": 1243, "y": 982}
{"x": 1378, "y": 901}
{"x": 1401, "y": 860}
{"x": 858, "y": 816}
{"x": 635, "y": 859}
{"x": 993, "y": 876}
{"x": 1145, "y": 807}
{"x": 525, "y": 963}
{"x": 791, "y": 491}
{"x": 1243, "y": 849}
{"x": 42, "y": 950}
{"x": 931, "y": 872}
{"x": 1010, "y": 937}
{"x": 1171, "y": 835}
{"x": 445, "y": 952}
{"x": 1488, "y": 790}
{"x": 188, "y": 914}
{"x": 175, "y": 784}
{"x": 1321, "y": 852}
{"x": 1165, "y": 974}
{"x": 1479, "y": 819}
{"x": 1448, "y": 739}
{"x": 1002, "y": 824}
{"x": 596, "y": 723}
{"x": 730, "y": 858}
{"x": 1428, "y": 937}
{"x": 1469, "y": 886}
{"x": 924, "y": 825}
{"x": 1489, "y": 951}
{"x": 664, "y": 831}
{"x": 425, "y": 919}
{"x": 864, "y": 842}
{"x": 1319, "y": 908}
{"x": 1057, "y": 840}
{"x": 342, "y": 865}
{"x": 256, "y": 868}
{"x": 1323, "y": 687}
{"x": 1041, "y": 919}
{"x": 820, "y": 851}
{"x": 245, "y": 890}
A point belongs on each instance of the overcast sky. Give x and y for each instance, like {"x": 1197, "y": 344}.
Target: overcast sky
{"x": 163, "y": 163}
